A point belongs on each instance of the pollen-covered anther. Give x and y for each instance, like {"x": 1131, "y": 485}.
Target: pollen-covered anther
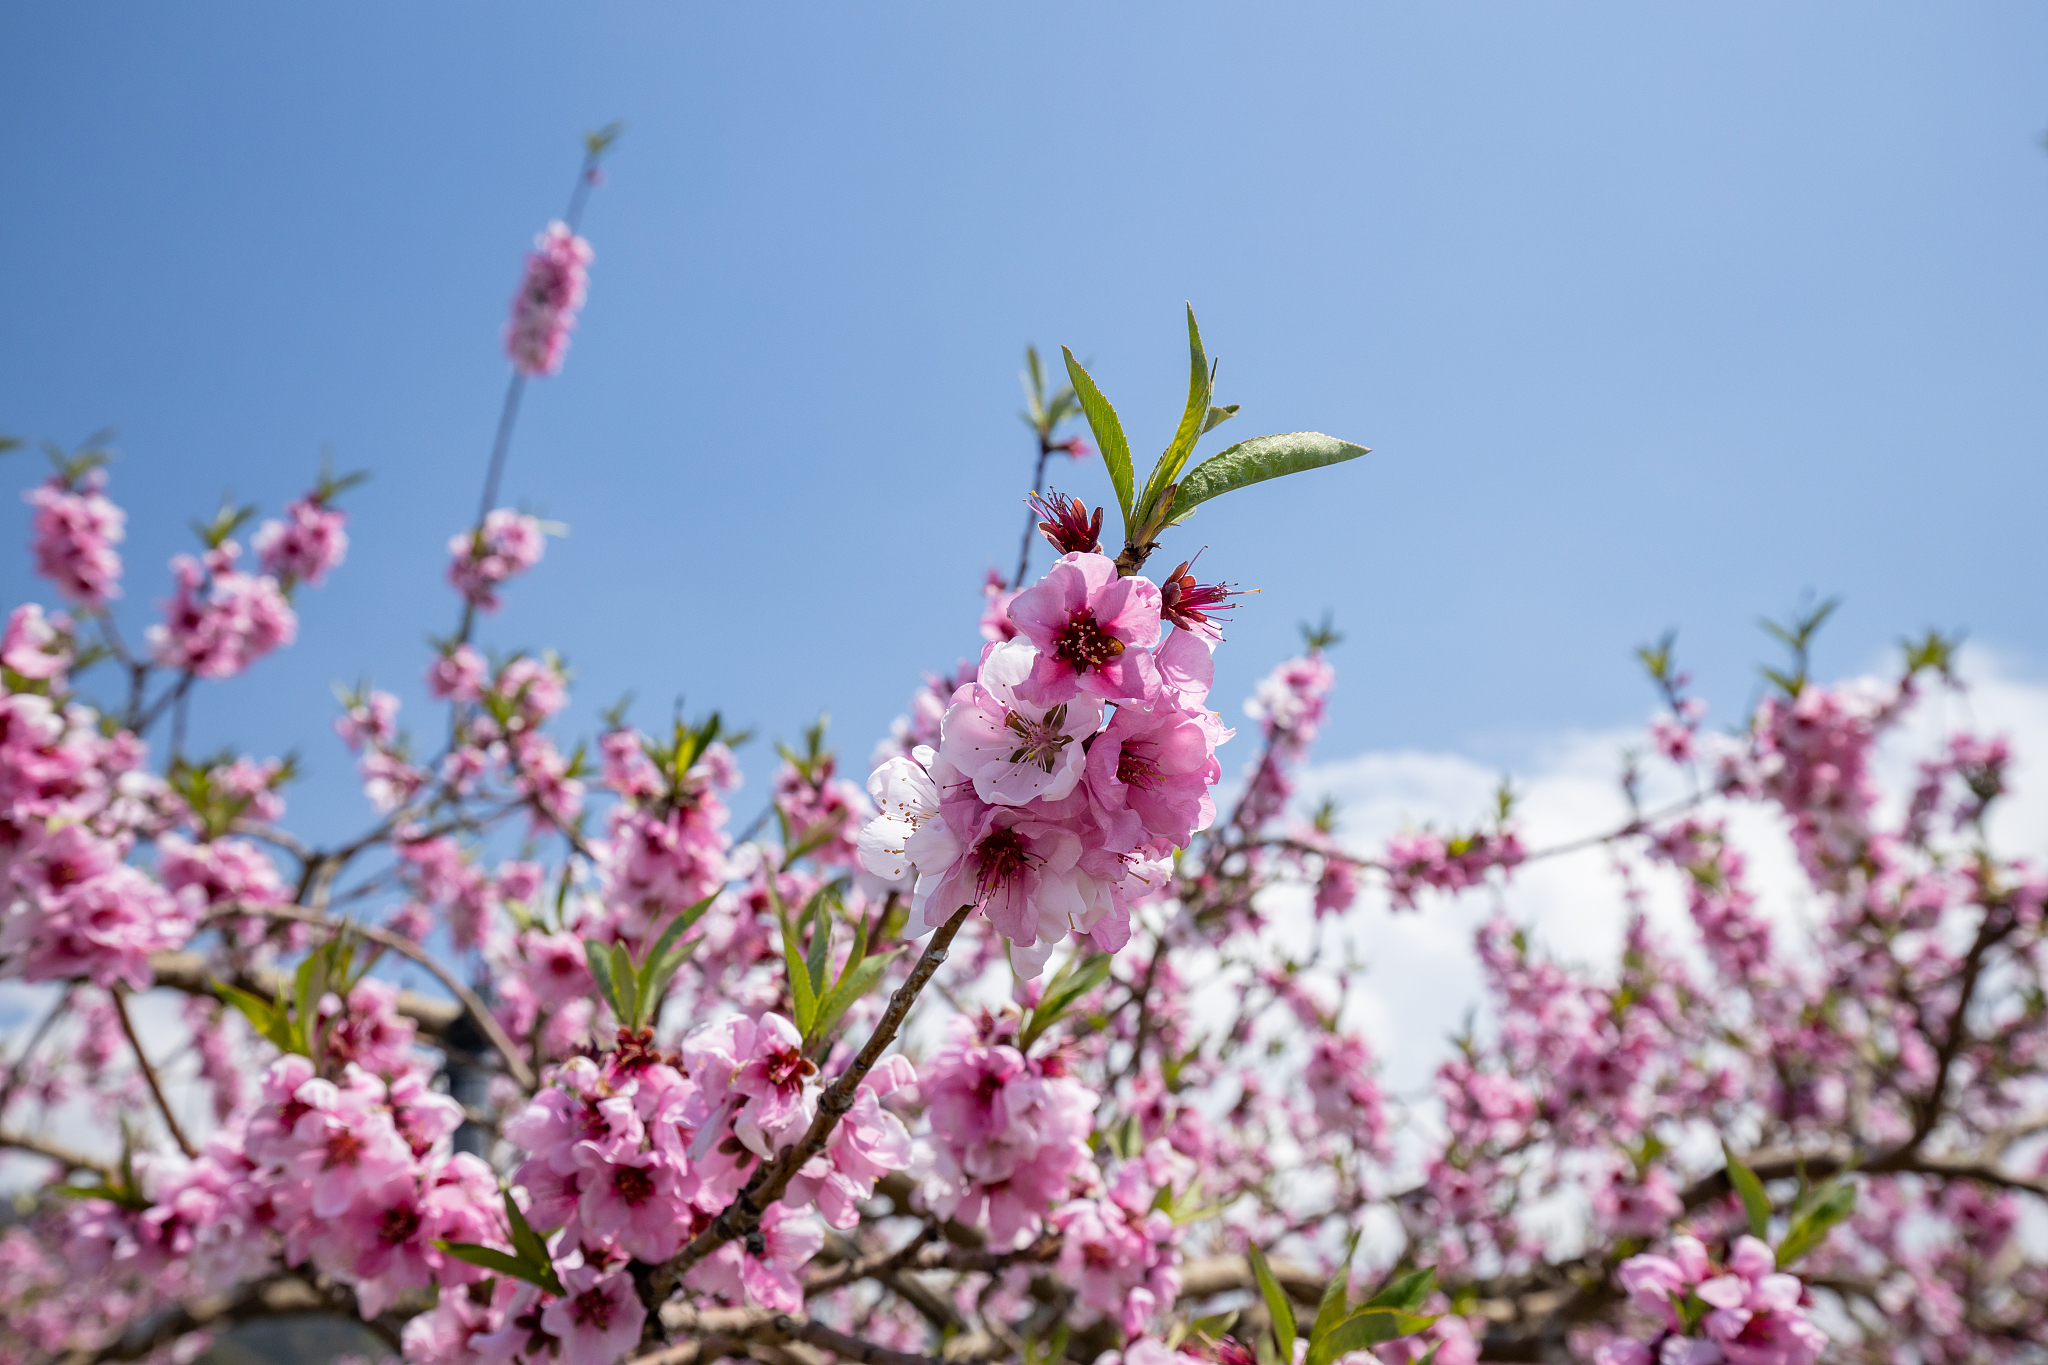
{"x": 1084, "y": 644}
{"x": 1039, "y": 742}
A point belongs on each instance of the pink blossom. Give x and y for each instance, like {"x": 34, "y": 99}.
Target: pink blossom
{"x": 765, "y": 1265}
{"x": 1022, "y": 872}
{"x": 304, "y": 546}
{"x": 76, "y": 529}
{"x": 544, "y": 309}
{"x": 598, "y": 1321}
{"x": 636, "y": 1200}
{"x": 1012, "y": 751}
{"x": 36, "y": 647}
{"x": 1094, "y": 632}
{"x": 1158, "y": 762}
{"x": 458, "y": 675}
{"x": 1007, "y": 1136}
{"x": 221, "y": 620}
{"x": 480, "y": 561}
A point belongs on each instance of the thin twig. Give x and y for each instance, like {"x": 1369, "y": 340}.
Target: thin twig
{"x": 743, "y": 1215}
{"x": 120, "y": 994}
{"x": 478, "y": 1011}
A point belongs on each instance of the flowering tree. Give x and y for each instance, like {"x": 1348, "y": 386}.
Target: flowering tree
{"x": 1000, "y": 1056}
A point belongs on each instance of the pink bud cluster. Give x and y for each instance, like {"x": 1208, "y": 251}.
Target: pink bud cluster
{"x": 1032, "y": 809}
{"x": 308, "y": 544}
{"x": 76, "y": 530}
{"x": 544, "y": 309}
{"x": 507, "y": 543}
{"x": 221, "y": 620}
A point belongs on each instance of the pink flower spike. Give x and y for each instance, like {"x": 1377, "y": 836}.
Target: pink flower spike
{"x": 544, "y": 309}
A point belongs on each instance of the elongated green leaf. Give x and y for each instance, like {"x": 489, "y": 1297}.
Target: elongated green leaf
{"x": 490, "y": 1258}
{"x": 819, "y": 956}
{"x": 1755, "y": 1202}
{"x": 309, "y": 983}
{"x": 682, "y": 924}
{"x": 524, "y": 1239}
{"x": 1065, "y": 989}
{"x": 626, "y": 982}
{"x": 858, "y": 979}
{"x": 1367, "y": 1327}
{"x": 1336, "y": 1304}
{"x": 802, "y": 998}
{"x": 1405, "y": 1293}
{"x": 267, "y": 1019}
{"x": 1811, "y": 1224}
{"x": 599, "y": 959}
{"x": 1192, "y": 421}
{"x": 1261, "y": 458}
{"x": 665, "y": 958}
{"x": 1109, "y": 434}
{"x": 1277, "y": 1306}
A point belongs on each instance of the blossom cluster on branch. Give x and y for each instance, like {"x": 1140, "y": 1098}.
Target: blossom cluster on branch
{"x": 1038, "y": 1045}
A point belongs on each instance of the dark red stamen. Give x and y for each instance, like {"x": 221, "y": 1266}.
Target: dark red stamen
{"x": 1067, "y": 525}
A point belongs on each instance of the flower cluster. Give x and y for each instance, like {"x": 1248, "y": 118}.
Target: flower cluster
{"x": 1745, "y": 1313}
{"x": 544, "y": 309}
{"x": 1009, "y": 1132}
{"x": 1035, "y": 811}
{"x": 505, "y": 544}
{"x": 307, "y": 545}
{"x": 76, "y": 530}
{"x": 221, "y": 620}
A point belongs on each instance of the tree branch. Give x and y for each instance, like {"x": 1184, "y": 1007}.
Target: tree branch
{"x": 771, "y": 1178}
{"x": 120, "y": 994}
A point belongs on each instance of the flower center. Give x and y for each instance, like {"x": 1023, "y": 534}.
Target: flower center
{"x": 342, "y": 1149}
{"x": 1003, "y": 858}
{"x": 593, "y": 1306}
{"x": 786, "y": 1068}
{"x": 633, "y": 1185}
{"x": 1084, "y": 644}
{"x": 1039, "y": 742}
{"x": 1137, "y": 766}
{"x": 399, "y": 1225}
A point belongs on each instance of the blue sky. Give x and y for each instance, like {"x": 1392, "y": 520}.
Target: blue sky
{"x": 1654, "y": 315}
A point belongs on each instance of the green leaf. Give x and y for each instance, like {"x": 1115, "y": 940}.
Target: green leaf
{"x": 311, "y": 974}
{"x": 1218, "y": 416}
{"x": 802, "y": 998}
{"x": 1277, "y": 1306}
{"x": 1367, "y": 1327}
{"x": 626, "y": 982}
{"x": 1336, "y": 1304}
{"x": 600, "y": 961}
{"x": 490, "y": 1258}
{"x": 664, "y": 957}
{"x": 1109, "y": 434}
{"x": 1814, "y": 1218}
{"x": 1067, "y": 987}
{"x": 859, "y": 978}
{"x": 1754, "y": 1201}
{"x": 819, "y": 956}
{"x": 1405, "y": 1293}
{"x": 1261, "y": 458}
{"x": 524, "y": 1239}
{"x": 1192, "y": 420}
{"x": 267, "y": 1019}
